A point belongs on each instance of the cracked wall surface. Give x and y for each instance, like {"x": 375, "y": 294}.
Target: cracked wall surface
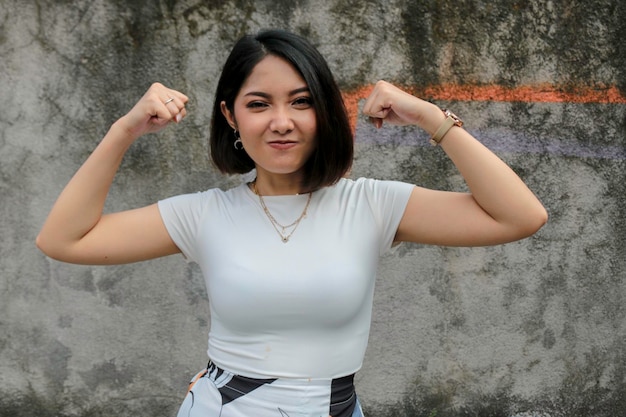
{"x": 533, "y": 326}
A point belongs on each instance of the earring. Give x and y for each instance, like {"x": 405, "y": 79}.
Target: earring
{"x": 238, "y": 144}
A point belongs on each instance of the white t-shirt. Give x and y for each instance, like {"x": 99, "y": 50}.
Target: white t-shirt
{"x": 299, "y": 309}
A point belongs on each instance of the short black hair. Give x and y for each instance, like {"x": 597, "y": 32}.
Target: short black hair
{"x": 332, "y": 157}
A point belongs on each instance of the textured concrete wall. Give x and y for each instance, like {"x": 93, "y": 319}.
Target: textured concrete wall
{"x": 537, "y": 325}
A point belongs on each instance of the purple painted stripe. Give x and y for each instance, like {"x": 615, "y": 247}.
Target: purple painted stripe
{"x": 498, "y": 140}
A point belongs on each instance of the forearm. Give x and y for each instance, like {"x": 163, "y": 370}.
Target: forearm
{"x": 79, "y": 206}
{"x": 495, "y": 187}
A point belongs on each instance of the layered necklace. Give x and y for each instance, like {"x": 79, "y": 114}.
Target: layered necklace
{"x": 286, "y": 231}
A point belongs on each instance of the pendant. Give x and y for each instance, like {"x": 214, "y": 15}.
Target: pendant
{"x": 285, "y": 239}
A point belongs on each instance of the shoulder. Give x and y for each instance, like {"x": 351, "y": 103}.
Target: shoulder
{"x": 371, "y": 186}
{"x": 369, "y": 192}
{"x": 207, "y": 198}
{"x": 349, "y": 184}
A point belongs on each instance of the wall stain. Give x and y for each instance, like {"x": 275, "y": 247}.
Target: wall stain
{"x": 107, "y": 374}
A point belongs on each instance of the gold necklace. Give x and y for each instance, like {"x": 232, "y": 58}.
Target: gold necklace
{"x": 280, "y": 229}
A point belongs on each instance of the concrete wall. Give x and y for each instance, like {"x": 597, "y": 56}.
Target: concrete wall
{"x": 534, "y": 326}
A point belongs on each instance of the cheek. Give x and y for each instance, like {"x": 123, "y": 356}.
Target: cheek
{"x": 251, "y": 126}
{"x": 310, "y": 125}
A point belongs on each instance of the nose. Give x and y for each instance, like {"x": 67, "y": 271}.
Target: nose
{"x": 282, "y": 121}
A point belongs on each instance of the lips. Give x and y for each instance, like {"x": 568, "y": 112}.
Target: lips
{"x": 282, "y": 144}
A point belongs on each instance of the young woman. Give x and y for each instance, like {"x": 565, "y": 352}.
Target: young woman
{"x": 290, "y": 258}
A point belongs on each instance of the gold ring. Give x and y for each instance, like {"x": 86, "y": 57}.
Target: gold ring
{"x": 169, "y": 100}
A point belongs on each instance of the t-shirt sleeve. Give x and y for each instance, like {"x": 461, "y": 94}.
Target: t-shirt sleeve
{"x": 182, "y": 216}
{"x": 388, "y": 200}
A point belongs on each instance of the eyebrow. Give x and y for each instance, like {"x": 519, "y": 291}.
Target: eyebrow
{"x": 266, "y": 95}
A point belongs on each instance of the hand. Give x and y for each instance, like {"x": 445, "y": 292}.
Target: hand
{"x": 156, "y": 109}
{"x": 387, "y": 103}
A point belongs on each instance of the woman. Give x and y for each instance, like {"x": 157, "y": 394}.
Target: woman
{"x": 290, "y": 258}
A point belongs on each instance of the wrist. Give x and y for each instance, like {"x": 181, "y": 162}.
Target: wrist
{"x": 450, "y": 120}
{"x": 123, "y": 129}
{"x": 120, "y": 135}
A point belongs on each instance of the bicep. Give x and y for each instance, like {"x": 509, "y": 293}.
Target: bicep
{"x": 449, "y": 219}
{"x": 124, "y": 237}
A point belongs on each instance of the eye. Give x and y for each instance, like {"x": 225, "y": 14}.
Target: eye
{"x": 256, "y": 105}
{"x": 303, "y": 102}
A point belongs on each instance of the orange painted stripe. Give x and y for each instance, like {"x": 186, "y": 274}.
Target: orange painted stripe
{"x": 544, "y": 93}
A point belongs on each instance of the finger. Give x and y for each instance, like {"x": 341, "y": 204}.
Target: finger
{"x": 376, "y": 121}
{"x": 179, "y": 97}
{"x": 162, "y": 113}
{"x": 378, "y": 111}
{"x": 370, "y": 102}
{"x": 377, "y": 106}
{"x": 176, "y": 108}
{"x": 180, "y": 116}
{"x": 377, "y": 97}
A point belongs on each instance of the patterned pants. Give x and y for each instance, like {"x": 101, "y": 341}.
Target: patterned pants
{"x": 218, "y": 393}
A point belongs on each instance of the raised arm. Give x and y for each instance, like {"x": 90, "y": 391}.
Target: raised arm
{"x": 499, "y": 207}
{"x": 77, "y": 231}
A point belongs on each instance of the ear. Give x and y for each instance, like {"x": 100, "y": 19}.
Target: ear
{"x": 230, "y": 117}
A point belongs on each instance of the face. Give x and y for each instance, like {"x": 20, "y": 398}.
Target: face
{"x": 274, "y": 115}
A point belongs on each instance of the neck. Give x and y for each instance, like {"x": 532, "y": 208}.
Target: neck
{"x": 278, "y": 186}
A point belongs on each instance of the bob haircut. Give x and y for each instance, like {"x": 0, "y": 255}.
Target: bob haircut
{"x": 333, "y": 153}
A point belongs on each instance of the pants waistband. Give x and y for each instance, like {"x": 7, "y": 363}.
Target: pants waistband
{"x": 340, "y": 381}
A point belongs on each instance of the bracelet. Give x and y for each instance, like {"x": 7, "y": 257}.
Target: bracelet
{"x": 451, "y": 120}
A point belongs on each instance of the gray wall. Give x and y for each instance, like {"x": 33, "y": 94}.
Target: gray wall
{"x": 533, "y": 326}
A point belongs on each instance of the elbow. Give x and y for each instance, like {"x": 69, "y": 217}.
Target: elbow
{"x": 39, "y": 242}
{"x": 540, "y": 218}
{"x": 526, "y": 225}
{"x": 544, "y": 217}
{"x": 43, "y": 246}
{"x": 534, "y": 221}
{"x": 48, "y": 247}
